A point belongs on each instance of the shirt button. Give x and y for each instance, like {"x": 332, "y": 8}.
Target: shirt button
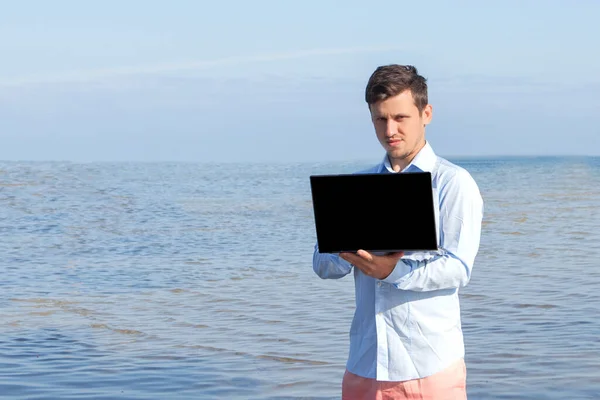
{"x": 379, "y": 283}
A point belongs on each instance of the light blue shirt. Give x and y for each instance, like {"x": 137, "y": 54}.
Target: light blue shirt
{"x": 408, "y": 325}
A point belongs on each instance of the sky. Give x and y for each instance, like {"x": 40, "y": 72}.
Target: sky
{"x": 278, "y": 81}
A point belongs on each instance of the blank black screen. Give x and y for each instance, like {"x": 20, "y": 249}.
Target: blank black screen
{"x": 374, "y": 212}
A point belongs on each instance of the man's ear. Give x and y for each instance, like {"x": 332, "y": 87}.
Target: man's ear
{"x": 427, "y": 114}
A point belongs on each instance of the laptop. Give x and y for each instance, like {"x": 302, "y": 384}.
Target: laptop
{"x": 375, "y": 212}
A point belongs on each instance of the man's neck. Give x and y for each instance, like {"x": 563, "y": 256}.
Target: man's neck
{"x": 401, "y": 163}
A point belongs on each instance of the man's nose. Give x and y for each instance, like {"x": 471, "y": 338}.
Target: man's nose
{"x": 390, "y": 129}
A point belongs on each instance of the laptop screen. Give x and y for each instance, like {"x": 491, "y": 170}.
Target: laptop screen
{"x": 374, "y": 212}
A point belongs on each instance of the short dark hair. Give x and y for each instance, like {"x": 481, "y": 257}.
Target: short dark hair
{"x": 391, "y": 80}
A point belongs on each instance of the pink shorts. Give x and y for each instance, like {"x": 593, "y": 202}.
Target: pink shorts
{"x": 449, "y": 384}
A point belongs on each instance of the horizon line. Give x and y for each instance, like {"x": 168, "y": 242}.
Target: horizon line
{"x": 345, "y": 161}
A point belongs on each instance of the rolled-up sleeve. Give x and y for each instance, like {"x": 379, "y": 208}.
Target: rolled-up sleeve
{"x": 330, "y": 266}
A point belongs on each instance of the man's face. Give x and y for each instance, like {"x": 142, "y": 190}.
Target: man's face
{"x": 399, "y": 126}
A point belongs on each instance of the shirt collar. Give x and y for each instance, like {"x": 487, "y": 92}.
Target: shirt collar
{"x": 424, "y": 161}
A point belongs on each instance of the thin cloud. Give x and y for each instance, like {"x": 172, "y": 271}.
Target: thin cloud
{"x": 108, "y": 73}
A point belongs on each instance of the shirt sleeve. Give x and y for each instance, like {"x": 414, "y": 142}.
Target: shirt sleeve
{"x": 330, "y": 266}
{"x": 461, "y": 214}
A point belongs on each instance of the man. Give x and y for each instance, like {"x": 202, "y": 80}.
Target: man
{"x": 406, "y": 339}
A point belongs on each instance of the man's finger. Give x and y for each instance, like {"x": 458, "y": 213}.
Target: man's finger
{"x": 355, "y": 260}
{"x": 350, "y": 257}
{"x": 364, "y": 270}
{"x": 365, "y": 255}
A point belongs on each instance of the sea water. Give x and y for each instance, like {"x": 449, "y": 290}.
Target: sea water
{"x": 194, "y": 281}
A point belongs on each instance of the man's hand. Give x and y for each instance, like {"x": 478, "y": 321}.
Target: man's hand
{"x": 378, "y": 267}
